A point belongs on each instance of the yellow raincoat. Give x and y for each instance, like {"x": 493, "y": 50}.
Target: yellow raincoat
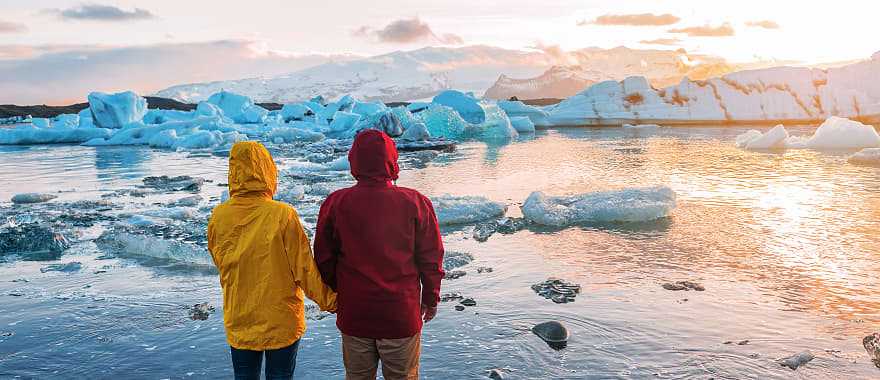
{"x": 264, "y": 257}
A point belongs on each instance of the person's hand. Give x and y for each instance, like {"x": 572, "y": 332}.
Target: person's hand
{"x": 428, "y": 312}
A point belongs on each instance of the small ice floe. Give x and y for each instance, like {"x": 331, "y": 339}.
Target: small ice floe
{"x": 557, "y": 290}
{"x": 200, "y": 311}
{"x": 872, "y": 346}
{"x": 453, "y": 259}
{"x": 683, "y": 285}
{"x": 628, "y": 205}
{"x": 190, "y": 201}
{"x": 552, "y": 332}
{"x": 416, "y": 132}
{"x": 466, "y": 209}
{"x": 796, "y": 361}
{"x": 834, "y": 133}
{"x": 179, "y": 183}
{"x": 454, "y": 274}
{"x": 483, "y": 231}
{"x": 73, "y": 266}
{"x": 868, "y": 156}
{"x": 27, "y": 198}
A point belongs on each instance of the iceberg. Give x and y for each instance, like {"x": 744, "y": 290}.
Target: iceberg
{"x": 405, "y": 117}
{"x": 869, "y": 156}
{"x": 116, "y": 110}
{"x": 295, "y": 111}
{"x": 516, "y": 108}
{"x": 291, "y": 134}
{"x": 368, "y": 108}
{"x": 466, "y": 105}
{"x": 239, "y": 108}
{"x": 344, "y": 121}
{"x": 443, "y": 121}
{"x": 842, "y": 133}
{"x": 416, "y": 132}
{"x": 628, "y": 205}
{"x": 29, "y": 134}
{"x": 496, "y": 125}
{"x": 776, "y": 138}
{"x": 466, "y": 209}
{"x": 522, "y": 124}
{"x": 26, "y": 198}
{"x": 385, "y": 121}
{"x": 127, "y": 244}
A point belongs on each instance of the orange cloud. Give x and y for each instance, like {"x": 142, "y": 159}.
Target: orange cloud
{"x": 724, "y": 30}
{"x": 662, "y": 41}
{"x": 641, "y": 19}
{"x": 766, "y": 24}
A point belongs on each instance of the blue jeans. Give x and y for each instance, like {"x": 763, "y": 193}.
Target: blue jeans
{"x": 280, "y": 363}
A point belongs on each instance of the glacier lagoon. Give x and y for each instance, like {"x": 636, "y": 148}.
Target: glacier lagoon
{"x": 784, "y": 243}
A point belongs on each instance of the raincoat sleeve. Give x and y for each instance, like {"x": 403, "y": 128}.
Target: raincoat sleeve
{"x": 326, "y": 245}
{"x": 429, "y": 253}
{"x": 302, "y": 265}
{"x": 211, "y": 242}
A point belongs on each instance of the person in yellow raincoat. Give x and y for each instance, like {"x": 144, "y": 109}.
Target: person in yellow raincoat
{"x": 266, "y": 268}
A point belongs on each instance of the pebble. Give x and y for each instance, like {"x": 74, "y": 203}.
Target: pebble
{"x": 557, "y": 290}
{"x": 798, "y": 360}
{"x": 683, "y": 285}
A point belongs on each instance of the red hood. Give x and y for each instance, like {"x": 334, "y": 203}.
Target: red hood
{"x": 373, "y": 156}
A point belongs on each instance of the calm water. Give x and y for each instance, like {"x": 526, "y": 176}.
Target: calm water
{"x": 785, "y": 243}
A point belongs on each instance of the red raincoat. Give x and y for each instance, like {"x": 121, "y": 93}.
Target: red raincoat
{"x": 378, "y": 245}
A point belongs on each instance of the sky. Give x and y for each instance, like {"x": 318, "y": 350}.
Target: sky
{"x": 201, "y": 38}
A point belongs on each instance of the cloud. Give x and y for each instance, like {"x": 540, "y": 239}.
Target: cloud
{"x": 766, "y": 24}
{"x": 12, "y": 27}
{"x": 98, "y": 12}
{"x": 407, "y": 31}
{"x": 724, "y": 30}
{"x": 641, "y": 19}
{"x": 662, "y": 41}
{"x": 59, "y": 74}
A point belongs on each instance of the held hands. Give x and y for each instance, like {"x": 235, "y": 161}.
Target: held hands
{"x": 428, "y": 312}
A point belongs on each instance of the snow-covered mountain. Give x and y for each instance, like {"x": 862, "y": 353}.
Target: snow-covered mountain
{"x": 397, "y": 76}
{"x": 773, "y": 94}
{"x": 661, "y": 67}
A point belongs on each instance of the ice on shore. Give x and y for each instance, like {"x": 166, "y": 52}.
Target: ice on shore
{"x": 869, "y": 156}
{"x": 452, "y": 209}
{"x": 467, "y": 106}
{"x": 116, "y": 110}
{"x": 628, "y": 205}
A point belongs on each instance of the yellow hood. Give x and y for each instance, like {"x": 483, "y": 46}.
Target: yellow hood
{"x": 252, "y": 171}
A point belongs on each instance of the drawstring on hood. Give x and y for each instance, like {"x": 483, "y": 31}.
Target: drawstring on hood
{"x": 252, "y": 171}
{"x": 373, "y": 157}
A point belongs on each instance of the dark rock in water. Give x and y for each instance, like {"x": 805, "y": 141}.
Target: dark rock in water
{"x": 496, "y": 374}
{"x": 447, "y": 297}
{"x": 483, "y": 231}
{"x": 683, "y": 285}
{"x": 7, "y": 334}
{"x": 872, "y": 345}
{"x": 459, "y": 307}
{"x": 511, "y": 225}
{"x": 454, "y": 274}
{"x": 34, "y": 241}
{"x": 798, "y": 360}
{"x": 484, "y": 270}
{"x": 200, "y": 311}
{"x": 552, "y": 332}
{"x": 557, "y": 290}
{"x": 433, "y": 144}
{"x": 513, "y": 99}
{"x": 452, "y": 259}
{"x": 73, "y": 266}
{"x": 179, "y": 183}
{"x": 468, "y": 302}
{"x": 740, "y": 343}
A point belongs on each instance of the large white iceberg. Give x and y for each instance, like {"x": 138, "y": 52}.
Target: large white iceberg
{"x": 841, "y": 133}
{"x": 628, "y": 205}
{"x": 116, "y": 110}
{"x": 466, "y": 209}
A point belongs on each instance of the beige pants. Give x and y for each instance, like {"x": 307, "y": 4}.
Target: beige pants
{"x": 400, "y": 357}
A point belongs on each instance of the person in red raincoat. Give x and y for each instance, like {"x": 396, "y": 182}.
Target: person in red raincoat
{"x": 378, "y": 246}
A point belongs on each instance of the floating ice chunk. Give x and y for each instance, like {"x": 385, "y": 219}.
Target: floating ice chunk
{"x": 163, "y": 116}
{"x": 775, "y": 138}
{"x": 385, "y": 121}
{"x": 628, "y": 205}
{"x": 466, "y": 105}
{"x": 239, "y": 108}
{"x": 842, "y": 133}
{"x": 345, "y": 103}
{"x": 466, "y": 209}
{"x": 28, "y": 134}
{"x": 416, "y": 132}
{"x": 208, "y": 140}
{"x": 319, "y": 100}
{"x": 25, "y": 198}
{"x": 368, "y": 108}
{"x": 66, "y": 121}
{"x": 295, "y": 111}
{"x": 519, "y": 109}
{"x": 127, "y": 244}
{"x": 290, "y": 194}
{"x": 868, "y": 156}
{"x": 208, "y": 109}
{"x": 116, "y": 110}
{"x": 406, "y": 118}
{"x": 340, "y": 164}
{"x": 344, "y": 121}
{"x": 303, "y": 168}
{"x": 41, "y": 122}
{"x": 443, "y": 121}
{"x": 496, "y": 125}
{"x": 85, "y": 119}
{"x": 522, "y": 124}
{"x": 290, "y": 134}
